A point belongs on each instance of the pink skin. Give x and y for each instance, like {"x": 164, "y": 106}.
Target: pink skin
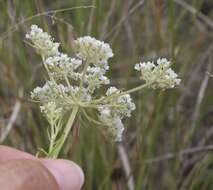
{"x": 60, "y": 174}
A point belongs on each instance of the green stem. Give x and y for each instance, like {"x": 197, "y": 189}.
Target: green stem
{"x": 133, "y": 90}
{"x": 55, "y": 152}
{"x": 51, "y": 136}
{"x": 83, "y": 75}
{"x": 55, "y": 129}
{"x": 122, "y": 93}
{"x": 69, "y": 85}
{"x": 45, "y": 66}
{"x": 91, "y": 119}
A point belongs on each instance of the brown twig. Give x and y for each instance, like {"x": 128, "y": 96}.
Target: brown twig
{"x": 182, "y": 153}
{"x": 15, "y": 27}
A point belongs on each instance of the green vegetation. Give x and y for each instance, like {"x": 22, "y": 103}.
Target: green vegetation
{"x": 168, "y": 140}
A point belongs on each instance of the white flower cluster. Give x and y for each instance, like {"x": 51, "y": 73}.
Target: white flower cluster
{"x": 74, "y": 81}
{"x": 158, "y": 76}
{"x": 123, "y": 105}
{"x": 95, "y": 78}
{"x": 58, "y": 93}
{"x": 93, "y": 51}
{"x": 62, "y": 65}
{"x": 42, "y": 41}
{"x": 113, "y": 111}
{"x": 48, "y": 92}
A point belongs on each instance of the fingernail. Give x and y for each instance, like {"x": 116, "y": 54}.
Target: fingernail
{"x": 68, "y": 175}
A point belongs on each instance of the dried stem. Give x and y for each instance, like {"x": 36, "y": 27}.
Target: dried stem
{"x": 12, "y": 119}
{"x": 170, "y": 156}
{"x": 125, "y": 162}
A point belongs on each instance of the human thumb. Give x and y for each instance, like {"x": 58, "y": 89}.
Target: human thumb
{"x": 26, "y": 175}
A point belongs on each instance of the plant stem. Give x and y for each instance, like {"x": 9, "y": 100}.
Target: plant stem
{"x": 83, "y": 76}
{"x": 69, "y": 85}
{"x": 55, "y": 152}
{"x": 122, "y": 93}
{"x": 133, "y": 89}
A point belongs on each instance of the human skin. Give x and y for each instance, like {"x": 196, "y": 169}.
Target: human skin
{"x": 22, "y": 171}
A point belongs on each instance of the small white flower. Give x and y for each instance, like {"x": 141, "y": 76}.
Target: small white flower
{"x": 104, "y": 111}
{"x": 112, "y": 90}
{"x": 164, "y": 62}
{"x": 127, "y": 106}
{"x": 104, "y": 79}
{"x": 85, "y": 96}
{"x": 146, "y": 66}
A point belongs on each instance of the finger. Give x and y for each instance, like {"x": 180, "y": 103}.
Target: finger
{"x": 68, "y": 175}
{"x": 7, "y": 153}
{"x": 26, "y": 174}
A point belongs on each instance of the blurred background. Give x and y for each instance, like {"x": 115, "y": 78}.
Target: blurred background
{"x": 168, "y": 142}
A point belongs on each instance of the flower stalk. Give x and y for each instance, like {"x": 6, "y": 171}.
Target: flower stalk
{"x": 54, "y": 152}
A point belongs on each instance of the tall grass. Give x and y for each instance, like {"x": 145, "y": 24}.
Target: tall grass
{"x": 168, "y": 140}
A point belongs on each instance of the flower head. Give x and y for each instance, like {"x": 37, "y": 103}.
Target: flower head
{"x": 50, "y": 92}
{"x": 114, "y": 110}
{"x": 43, "y": 42}
{"x": 62, "y": 65}
{"x": 95, "y": 78}
{"x": 158, "y": 75}
{"x": 93, "y": 51}
{"x": 51, "y": 111}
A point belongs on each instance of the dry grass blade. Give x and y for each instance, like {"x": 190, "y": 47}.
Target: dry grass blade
{"x": 126, "y": 166}
{"x": 118, "y": 25}
{"x": 202, "y": 91}
{"x": 182, "y": 153}
{"x": 15, "y": 27}
{"x": 16, "y": 109}
{"x": 195, "y": 12}
{"x": 106, "y": 22}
